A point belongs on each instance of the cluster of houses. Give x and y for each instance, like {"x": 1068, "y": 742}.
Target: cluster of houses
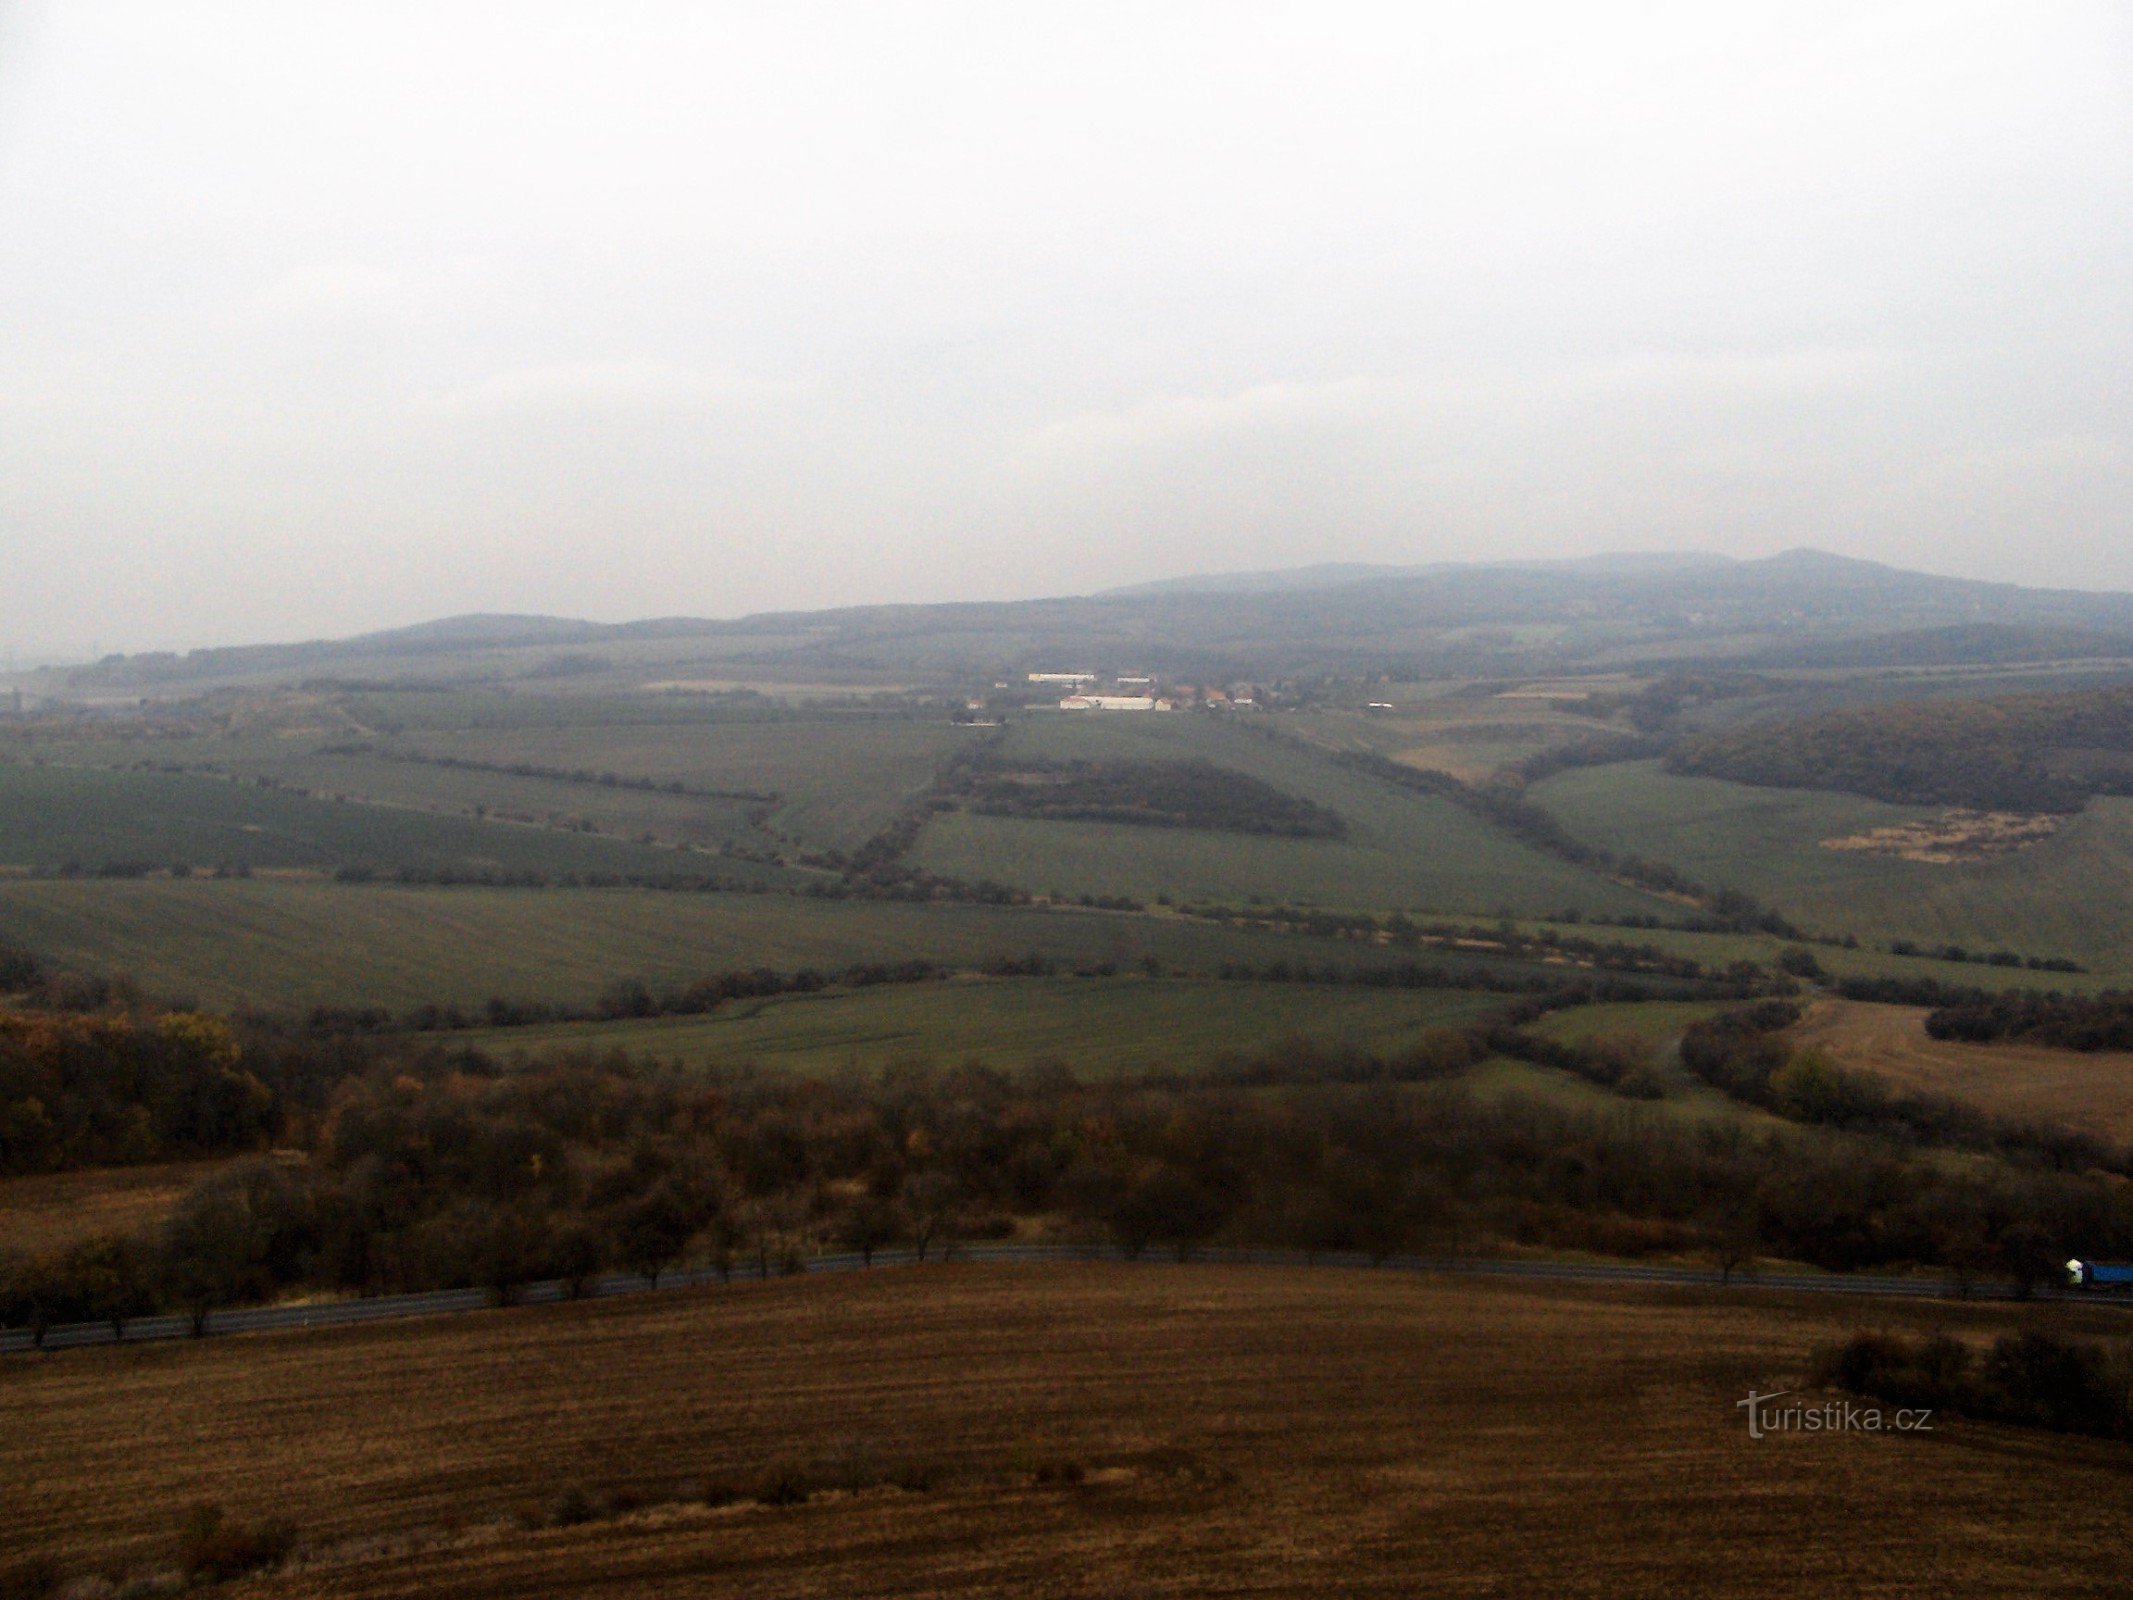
{"x": 1138, "y": 692}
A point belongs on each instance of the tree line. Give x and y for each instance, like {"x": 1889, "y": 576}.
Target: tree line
{"x": 106, "y": 1090}
{"x": 2032, "y": 1379}
{"x": 2065, "y": 1021}
{"x": 403, "y": 1165}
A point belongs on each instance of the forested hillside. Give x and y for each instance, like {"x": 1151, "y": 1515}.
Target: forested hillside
{"x": 2039, "y": 752}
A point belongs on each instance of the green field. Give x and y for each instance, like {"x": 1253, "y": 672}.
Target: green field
{"x": 289, "y": 944}
{"x": 1655, "y": 1022}
{"x": 631, "y": 813}
{"x": 1096, "y": 1026}
{"x": 1402, "y": 850}
{"x": 51, "y": 816}
{"x": 2071, "y": 895}
{"x": 841, "y": 780}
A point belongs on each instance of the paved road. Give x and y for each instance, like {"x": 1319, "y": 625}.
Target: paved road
{"x": 328, "y": 1313}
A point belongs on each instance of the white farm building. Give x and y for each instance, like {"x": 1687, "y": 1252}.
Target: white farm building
{"x": 1108, "y": 702}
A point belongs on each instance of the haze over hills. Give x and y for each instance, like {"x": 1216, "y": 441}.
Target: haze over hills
{"x": 1802, "y": 608}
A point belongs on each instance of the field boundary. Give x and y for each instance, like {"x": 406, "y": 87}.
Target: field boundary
{"x": 379, "y": 1308}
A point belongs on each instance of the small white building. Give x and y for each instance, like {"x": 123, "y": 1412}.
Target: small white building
{"x": 1062, "y": 677}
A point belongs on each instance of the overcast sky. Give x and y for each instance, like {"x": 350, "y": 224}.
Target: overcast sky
{"x": 317, "y": 318}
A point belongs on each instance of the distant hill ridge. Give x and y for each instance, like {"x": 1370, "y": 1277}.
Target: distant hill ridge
{"x": 1336, "y": 574}
{"x": 1803, "y": 607}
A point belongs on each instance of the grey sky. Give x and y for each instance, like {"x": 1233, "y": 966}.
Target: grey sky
{"x": 316, "y": 319}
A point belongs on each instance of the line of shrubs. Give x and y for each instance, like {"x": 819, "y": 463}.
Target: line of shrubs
{"x": 1990, "y": 958}
{"x": 2065, "y": 1021}
{"x": 577, "y": 775}
{"x": 1501, "y": 940}
{"x": 2033, "y": 1379}
{"x": 435, "y": 875}
{"x": 624, "y": 999}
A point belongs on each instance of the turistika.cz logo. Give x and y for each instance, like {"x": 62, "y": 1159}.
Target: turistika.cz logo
{"x": 1832, "y": 1416}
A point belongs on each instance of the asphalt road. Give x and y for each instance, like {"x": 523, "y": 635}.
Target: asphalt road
{"x": 329, "y": 1313}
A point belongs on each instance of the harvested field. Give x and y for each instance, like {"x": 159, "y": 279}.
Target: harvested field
{"x": 2092, "y": 1091}
{"x": 1068, "y": 1430}
{"x": 54, "y": 1210}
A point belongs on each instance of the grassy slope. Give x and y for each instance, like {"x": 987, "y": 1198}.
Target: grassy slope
{"x": 2071, "y": 895}
{"x": 1402, "y": 849}
{"x": 269, "y": 943}
{"x": 51, "y": 815}
{"x": 1242, "y": 1431}
{"x": 1096, "y": 1026}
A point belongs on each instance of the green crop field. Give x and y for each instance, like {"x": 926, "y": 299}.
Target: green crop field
{"x": 50, "y": 816}
{"x": 2071, "y": 895}
{"x": 290, "y": 944}
{"x": 841, "y": 780}
{"x": 1402, "y": 849}
{"x": 676, "y": 818}
{"x": 1654, "y": 1022}
{"x": 300, "y": 763}
{"x": 1096, "y": 1026}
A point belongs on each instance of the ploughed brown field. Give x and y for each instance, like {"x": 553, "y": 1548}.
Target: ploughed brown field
{"x": 1061, "y": 1430}
{"x": 51, "y": 1211}
{"x": 2091, "y": 1091}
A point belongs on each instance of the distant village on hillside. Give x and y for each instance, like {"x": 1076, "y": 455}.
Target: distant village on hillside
{"x": 1139, "y": 692}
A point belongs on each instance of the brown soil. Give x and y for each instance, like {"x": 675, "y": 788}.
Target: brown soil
{"x": 2089, "y": 1091}
{"x": 1233, "y": 1430}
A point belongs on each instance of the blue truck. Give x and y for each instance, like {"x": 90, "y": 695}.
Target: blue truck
{"x": 2099, "y": 1274}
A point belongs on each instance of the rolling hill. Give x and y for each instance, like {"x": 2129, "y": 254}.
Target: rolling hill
{"x": 1450, "y": 618}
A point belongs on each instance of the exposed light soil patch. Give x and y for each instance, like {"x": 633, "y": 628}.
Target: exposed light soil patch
{"x": 1953, "y": 836}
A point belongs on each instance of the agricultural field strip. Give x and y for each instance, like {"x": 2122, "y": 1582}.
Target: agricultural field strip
{"x": 259, "y": 1319}
{"x": 2064, "y": 896}
{"x": 415, "y": 809}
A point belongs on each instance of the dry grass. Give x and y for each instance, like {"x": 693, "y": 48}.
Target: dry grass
{"x": 1953, "y": 836}
{"x": 55, "y": 1210}
{"x": 2092, "y": 1091}
{"x": 1235, "y": 1430}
